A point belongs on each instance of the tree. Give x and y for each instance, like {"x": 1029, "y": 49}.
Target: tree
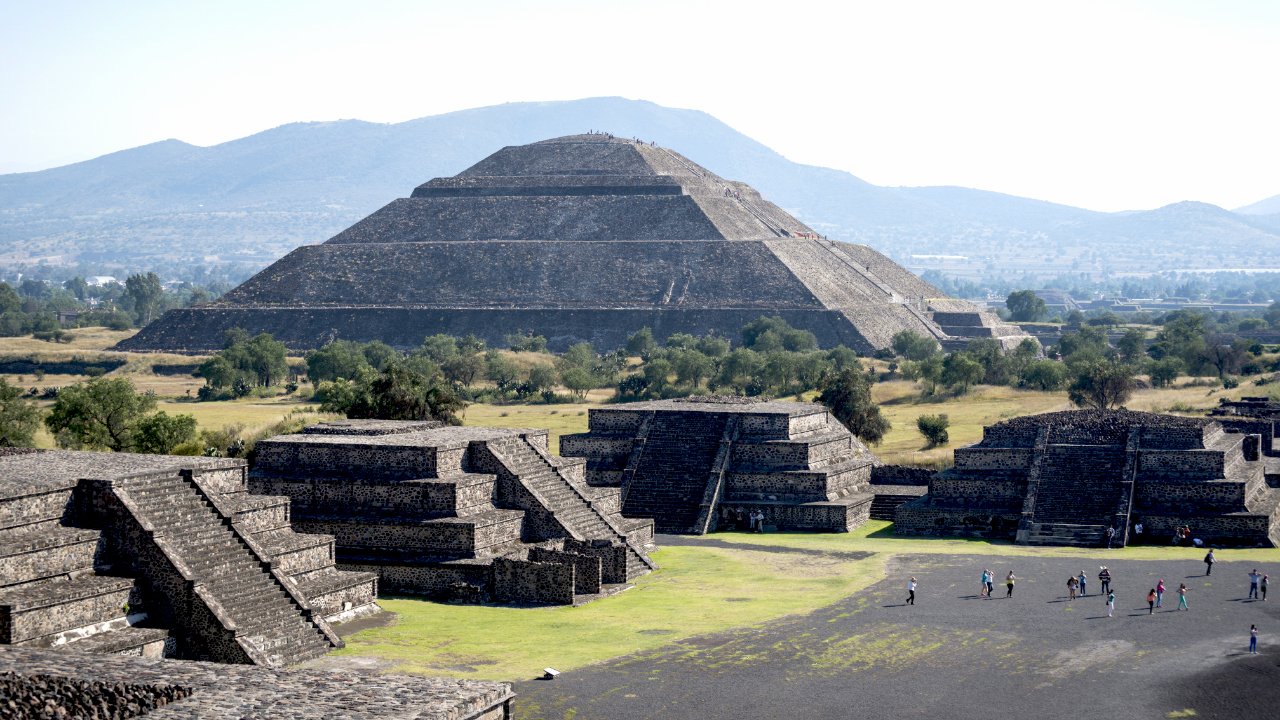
{"x": 78, "y": 287}
{"x": 914, "y": 346}
{"x": 681, "y": 341}
{"x": 217, "y": 372}
{"x": 960, "y": 370}
{"x": 773, "y": 333}
{"x": 146, "y": 291}
{"x": 712, "y": 346}
{"x": 581, "y": 355}
{"x": 19, "y": 417}
{"x": 233, "y": 337}
{"x": 379, "y": 354}
{"x": 267, "y": 359}
{"x": 1225, "y": 353}
{"x": 842, "y": 357}
{"x": 102, "y": 413}
{"x": 1045, "y": 374}
{"x": 160, "y": 433}
{"x": 691, "y": 367}
{"x": 641, "y": 343}
{"x": 9, "y": 300}
{"x": 1104, "y": 384}
{"x": 1164, "y": 372}
{"x": 934, "y": 428}
{"x": 396, "y": 394}
{"x": 463, "y": 369}
{"x": 1089, "y": 340}
{"x": 1025, "y": 306}
{"x": 338, "y": 359}
{"x": 470, "y": 344}
{"x": 543, "y": 377}
{"x": 656, "y": 373}
{"x": 848, "y": 396}
{"x": 439, "y": 347}
{"x": 1133, "y": 346}
{"x": 578, "y": 381}
{"x": 504, "y": 373}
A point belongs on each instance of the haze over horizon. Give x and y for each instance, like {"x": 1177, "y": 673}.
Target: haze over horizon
{"x": 1105, "y": 106}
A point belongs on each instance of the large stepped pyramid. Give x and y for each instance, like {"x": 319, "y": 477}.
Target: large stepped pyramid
{"x": 163, "y": 557}
{"x": 579, "y": 238}
{"x": 456, "y": 513}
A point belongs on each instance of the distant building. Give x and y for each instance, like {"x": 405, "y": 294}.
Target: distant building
{"x": 100, "y": 280}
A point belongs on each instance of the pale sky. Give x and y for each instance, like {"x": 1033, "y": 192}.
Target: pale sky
{"x": 1105, "y": 105}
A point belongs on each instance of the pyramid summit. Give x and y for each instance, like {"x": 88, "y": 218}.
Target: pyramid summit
{"x": 579, "y": 238}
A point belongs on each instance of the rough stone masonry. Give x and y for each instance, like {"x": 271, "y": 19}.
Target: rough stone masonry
{"x": 579, "y": 238}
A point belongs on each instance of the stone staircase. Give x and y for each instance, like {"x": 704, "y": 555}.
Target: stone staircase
{"x": 272, "y": 625}
{"x": 1080, "y": 482}
{"x": 671, "y": 478}
{"x": 1066, "y": 534}
{"x": 569, "y": 506}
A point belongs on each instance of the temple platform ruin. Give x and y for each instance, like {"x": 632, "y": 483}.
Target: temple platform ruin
{"x": 162, "y": 556}
{"x": 467, "y": 514}
{"x": 1064, "y": 478}
{"x": 691, "y": 464}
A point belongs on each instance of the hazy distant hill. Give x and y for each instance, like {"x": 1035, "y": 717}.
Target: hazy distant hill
{"x": 1270, "y": 206}
{"x": 257, "y": 197}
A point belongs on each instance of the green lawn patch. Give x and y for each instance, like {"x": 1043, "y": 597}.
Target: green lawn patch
{"x": 697, "y": 590}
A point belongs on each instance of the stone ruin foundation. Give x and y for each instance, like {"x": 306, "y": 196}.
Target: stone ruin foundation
{"x": 692, "y": 463}
{"x": 159, "y": 556}
{"x": 132, "y": 686}
{"x": 464, "y": 514}
{"x": 1064, "y": 478}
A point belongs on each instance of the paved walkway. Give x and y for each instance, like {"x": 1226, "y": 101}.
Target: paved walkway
{"x": 955, "y": 655}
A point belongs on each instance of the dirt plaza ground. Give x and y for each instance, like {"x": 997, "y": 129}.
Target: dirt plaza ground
{"x": 955, "y": 654}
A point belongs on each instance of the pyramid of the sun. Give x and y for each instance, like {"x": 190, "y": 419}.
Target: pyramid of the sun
{"x": 580, "y": 238}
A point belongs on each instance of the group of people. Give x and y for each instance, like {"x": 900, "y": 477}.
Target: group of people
{"x": 752, "y": 520}
{"x": 1078, "y": 584}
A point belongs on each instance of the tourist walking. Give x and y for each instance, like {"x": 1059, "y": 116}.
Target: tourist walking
{"x": 1071, "y": 587}
{"x": 991, "y": 584}
{"x": 1209, "y": 560}
{"x": 1111, "y": 603}
{"x": 1254, "y": 577}
{"x": 911, "y": 591}
{"x": 986, "y": 580}
{"x": 1253, "y": 639}
{"x": 1111, "y": 535}
{"x": 1182, "y": 597}
{"x": 1009, "y": 581}
{"x": 1104, "y": 576}
{"x": 1262, "y": 586}
{"x": 1082, "y": 580}
{"x": 1159, "y": 592}
{"x": 1151, "y": 602}
{"x": 759, "y": 521}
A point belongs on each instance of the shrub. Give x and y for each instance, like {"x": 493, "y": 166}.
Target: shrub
{"x": 934, "y": 428}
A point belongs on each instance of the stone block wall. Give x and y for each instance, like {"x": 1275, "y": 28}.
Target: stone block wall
{"x": 995, "y": 491}
{"x": 586, "y": 569}
{"x": 533, "y": 583}
{"x": 919, "y": 517}
{"x": 1008, "y": 459}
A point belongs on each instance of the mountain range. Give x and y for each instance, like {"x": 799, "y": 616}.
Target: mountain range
{"x": 259, "y": 196}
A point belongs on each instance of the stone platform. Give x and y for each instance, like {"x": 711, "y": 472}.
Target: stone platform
{"x": 155, "y": 555}
{"x": 455, "y": 513}
{"x": 691, "y": 464}
{"x": 1065, "y": 478}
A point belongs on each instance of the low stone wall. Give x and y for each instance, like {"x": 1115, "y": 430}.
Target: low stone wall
{"x": 843, "y": 516}
{"x": 901, "y": 475}
{"x": 920, "y": 517}
{"x": 533, "y": 583}
{"x": 1222, "y": 496}
{"x": 1238, "y": 530}
{"x": 945, "y": 486}
{"x": 436, "y": 580}
{"x": 586, "y": 569}
{"x": 448, "y": 537}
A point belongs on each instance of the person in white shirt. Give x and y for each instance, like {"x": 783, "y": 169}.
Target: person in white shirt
{"x": 911, "y": 591}
{"x": 1254, "y": 577}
